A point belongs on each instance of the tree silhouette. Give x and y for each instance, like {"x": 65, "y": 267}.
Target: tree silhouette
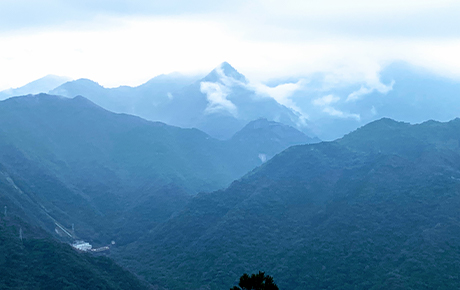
{"x": 256, "y": 282}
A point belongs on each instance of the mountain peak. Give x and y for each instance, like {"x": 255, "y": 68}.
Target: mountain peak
{"x": 264, "y": 129}
{"x": 41, "y": 85}
{"x": 224, "y": 70}
{"x": 261, "y": 123}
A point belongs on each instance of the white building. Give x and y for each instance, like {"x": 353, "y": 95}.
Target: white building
{"x": 82, "y": 246}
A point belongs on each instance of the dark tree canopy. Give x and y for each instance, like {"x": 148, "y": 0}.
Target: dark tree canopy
{"x": 256, "y": 282}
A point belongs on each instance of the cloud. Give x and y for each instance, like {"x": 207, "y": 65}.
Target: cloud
{"x": 229, "y": 80}
{"x": 281, "y": 93}
{"x": 124, "y": 42}
{"x": 373, "y": 111}
{"x": 326, "y": 100}
{"x": 217, "y": 98}
{"x": 356, "y": 95}
{"x": 263, "y": 157}
{"x": 259, "y": 18}
{"x": 354, "y": 18}
{"x": 32, "y": 14}
{"x": 336, "y": 113}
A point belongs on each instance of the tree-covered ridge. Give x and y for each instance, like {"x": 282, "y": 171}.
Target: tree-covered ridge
{"x": 29, "y": 259}
{"x": 377, "y": 209}
{"x": 113, "y": 176}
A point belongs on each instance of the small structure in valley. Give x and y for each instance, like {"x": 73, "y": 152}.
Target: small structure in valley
{"x": 82, "y": 246}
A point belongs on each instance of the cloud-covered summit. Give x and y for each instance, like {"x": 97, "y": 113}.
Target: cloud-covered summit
{"x": 218, "y": 84}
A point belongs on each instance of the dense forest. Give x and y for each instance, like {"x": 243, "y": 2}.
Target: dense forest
{"x": 31, "y": 259}
{"x": 376, "y": 209}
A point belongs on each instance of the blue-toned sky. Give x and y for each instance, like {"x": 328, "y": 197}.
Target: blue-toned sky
{"x": 121, "y": 42}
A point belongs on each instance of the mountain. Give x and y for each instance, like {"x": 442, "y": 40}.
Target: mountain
{"x": 42, "y": 85}
{"x": 142, "y": 100}
{"x": 36, "y": 261}
{"x": 219, "y": 104}
{"x": 113, "y": 176}
{"x": 224, "y": 101}
{"x": 401, "y": 91}
{"x": 264, "y": 139}
{"x": 377, "y": 209}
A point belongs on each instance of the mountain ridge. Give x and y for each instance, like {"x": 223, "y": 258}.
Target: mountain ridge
{"x": 117, "y": 168}
{"x": 326, "y": 215}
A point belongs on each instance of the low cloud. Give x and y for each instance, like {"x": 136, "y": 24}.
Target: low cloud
{"x": 373, "y": 111}
{"x": 263, "y": 157}
{"x": 282, "y": 94}
{"x": 216, "y": 94}
{"x": 326, "y": 100}
{"x": 326, "y": 103}
{"x": 336, "y": 113}
{"x": 356, "y": 95}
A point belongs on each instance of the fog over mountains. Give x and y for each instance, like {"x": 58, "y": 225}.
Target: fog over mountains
{"x": 219, "y": 104}
{"x": 191, "y": 182}
{"x": 42, "y": 85}
{"x": 222, "y": 102}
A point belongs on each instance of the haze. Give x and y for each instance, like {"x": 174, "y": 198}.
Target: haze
{"x": 128, "y": 42}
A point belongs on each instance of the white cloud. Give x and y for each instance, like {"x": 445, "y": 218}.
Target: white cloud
{"x": 373, "y": 111}
{"x": 366, "y": 90}
{"x": 262, "y": 157}
{"x": 281, "y": 93}
{"x": 217, "y": 98}
{"x": 326, "y": 100}
{"x": 128, "y": 42}
{"x": 336, "y": 113}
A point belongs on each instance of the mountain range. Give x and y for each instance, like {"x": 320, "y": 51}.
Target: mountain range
{"x": 219, "y": 104}
{"x": 42, "y": 85}
{"x": 377, "y": 209}
{"x": 114, "y": 175}
{"x": 222, "y": 102}
{"x": 401, "y": 91}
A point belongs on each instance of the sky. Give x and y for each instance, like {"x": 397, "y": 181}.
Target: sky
{"x": 121, "y": 42}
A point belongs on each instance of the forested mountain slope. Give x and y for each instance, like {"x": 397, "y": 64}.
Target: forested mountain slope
{"x": 31, "y": 259}
{"x": 377, "y": 209}
{"x": 113, "y": 176}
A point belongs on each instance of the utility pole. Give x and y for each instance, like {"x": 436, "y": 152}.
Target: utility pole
{"x": 20, "y": 233}
{"x": 6, "y": 208}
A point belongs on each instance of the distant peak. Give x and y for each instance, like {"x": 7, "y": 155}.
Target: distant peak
{"x": 85, "y": 80}
{"x": 230, "y": 71}
{"x": 388, "y": 121}
{"x": 261, "y": 122}
{"x": 225, "y": 70}
{"x": 226, "y": 67}
{"x": 264, "y": 123}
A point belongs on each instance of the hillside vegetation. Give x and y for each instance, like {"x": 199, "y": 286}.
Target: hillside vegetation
{"x": 377, "y": 209}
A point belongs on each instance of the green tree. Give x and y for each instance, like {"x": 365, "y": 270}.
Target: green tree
{"x": 256, "y": 282}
